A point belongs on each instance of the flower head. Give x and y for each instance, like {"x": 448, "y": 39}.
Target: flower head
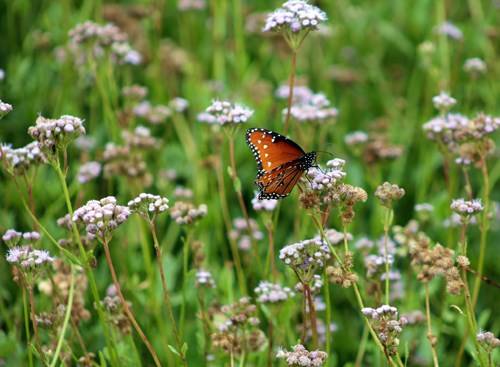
{"x": 271, "y": 293}
{"x": 186, "y": 213}
{"x": 295, "y": 15}
{"x": 5, "y": 108}
{"x": 444, "y": 102}
{"x": 55, "y": 135}
{"x": 386, "y": 324}
{"x": 225, "y": 113}
{"x": 300, "y": 356}
{"x": 267, "y": 205}
{"x": 146, "y": 204}
{"x": 20, "y": 160}
{"x": 102, "y": 217}
{"x": 88, "y": 171}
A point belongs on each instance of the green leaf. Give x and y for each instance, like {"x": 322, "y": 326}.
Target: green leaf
{"x": 174, "y": 350}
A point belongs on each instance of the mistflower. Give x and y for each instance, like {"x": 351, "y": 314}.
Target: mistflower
{"x": 387, "y": 193}
{"x": 148, "y": 204}
{"x": 5, "y": 108}
{"x": 90, "y": 39}
{"x": 386, "y": 324}
{"x": 487, "y": 341}
{"x": 12, "y": 237}
{"x": 183, "y": 192}
{"x": 315, "y": 109}
{"x": 186, "y": 213}
{"x": 30, "y": 263}
{"x": 184, "y": 5}
{"x": 84, "y": 143}
{"x": 55, "y": 135}
{"x": 122, "y": 161}
{"x": 335, "y": 237}
{"x": 179, "y": 104}
{"x": 135, "y": 92}
{"x": 466, "y": 209}
{"x": 155, "y": 115}
{"x": 141, "y": 138}
{"x": 301, "y": 357}
{"x": 424, "y": 207}
{"x": 295, "y": 16}
{"x": 31, "y": 237}
{"x": 320, "y": 180}
{"x": 475, "y": 66}
{"x": 240, "y": 232}
{"x": 102, "y": 217}
{"x": 271, "y": 293}
{"x": 306, "y": 256}
{"x": 356, "y": 138}
{"x": 20, "y": 160}
{"x": 267, "y": 205}
{"x": 204, "y": 279}
{"x": 314, "y": 287}
{"x": 88, "y": 171}
{"x": 225, "y": 113}
{"x": 443, "y": 102}
{"x": 449, "y": 29}
{"x": 301, "y": 93}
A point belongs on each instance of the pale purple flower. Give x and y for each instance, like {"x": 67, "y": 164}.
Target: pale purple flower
{"x": 88, "y": 171}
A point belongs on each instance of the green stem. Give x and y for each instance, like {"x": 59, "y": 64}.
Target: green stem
{"x": 290, "y": 92}
{"x": 27, "y": 325}
{"x": 165, "y": 292}
{"x": 35, "y": 327}
{"x": 386, "y": 255}
{"x": 67, "y": 316}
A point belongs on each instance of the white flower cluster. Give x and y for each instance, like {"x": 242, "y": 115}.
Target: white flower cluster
{"x": 102, "y": 37}
{"x": 320, "y": 180}
{"x": 101, "y": 217}
{"x": 155, "y": 115}
{"x": 443, "y": 101}
{"x": 313, "y": 253}
{"x": 356, "y": 138}
{"x": 187, "y": 213}
{"x": 5, "y": 108}
{"x": 466, "y": 207}
{"x": 11, "y": 237}
{"x": 316, "y": 109}
{"x": 179, "y": 104}
{"x": 240, "y": 232}
{"x": 300, "y": 356}
{"x": 384, "y": 321}
{"x": 475, "y": 66}
{"x": 88, "y": 171}
{"x": 148, "y": 203}
{"x": 204, "y": 278}
{"x": 225, "y": 113}
{"x": 54, "y": 135}
{"x": 267, "y": 205}
{"x": 295, "y": 15}
{"x": 25, "y": 257}
{"x": 21, "y": 159}
{"x": 268, "y": 292}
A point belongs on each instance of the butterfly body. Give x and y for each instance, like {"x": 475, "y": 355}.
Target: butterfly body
{"x": 280, "y": 162}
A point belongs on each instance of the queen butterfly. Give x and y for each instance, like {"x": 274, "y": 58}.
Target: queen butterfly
{"x": 280, "y": 162}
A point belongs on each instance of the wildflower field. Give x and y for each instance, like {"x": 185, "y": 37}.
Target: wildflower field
{"x": 249, "y": 183}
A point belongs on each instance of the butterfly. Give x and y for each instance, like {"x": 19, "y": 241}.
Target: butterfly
{"x": 280, "y": 162}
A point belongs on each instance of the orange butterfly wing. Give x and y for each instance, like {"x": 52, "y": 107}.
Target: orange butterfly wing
{"x": 280, "y": 162}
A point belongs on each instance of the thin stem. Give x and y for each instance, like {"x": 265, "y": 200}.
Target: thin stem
{"x": 362, "y": 347}
{"x": 67, "y": 317}
{"x": 386, "y": 255}
{"x": 432, "y": 338}
{"x": 244, "y": 211}
{"x": 312, "y": 315}
{"x": 290, "y": 92}
{"x": 484, "y": 228}
{"x": 35, "y": 327}
{"x": 125, "y": 305}
{"x": 27, "y": 324}
{"x": 165, "y": 292}
{"x": 185, "y": 258}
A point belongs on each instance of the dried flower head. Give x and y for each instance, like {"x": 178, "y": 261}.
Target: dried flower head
{"x": 238, "y": 331}
{"x": 301, "y": 357}
{"x": 102, "y": 217}
{"x": 271, "y": 293}
{"x": 387, "y": 193}
{"x": 54, "y": 136}
{"x": 186, "y": 213}
{"x": 225, "y": 113}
